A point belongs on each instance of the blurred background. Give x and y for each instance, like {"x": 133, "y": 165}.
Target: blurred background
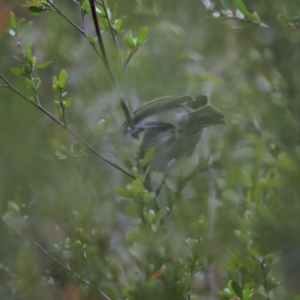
{"x": 246, "y": 208}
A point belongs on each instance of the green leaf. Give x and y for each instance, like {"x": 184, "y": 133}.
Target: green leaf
{"x": 92, "y": 40}
{"x": 43, "y": 65}
{"x": 26, "y": 29}
{"x": 123, "y": 56}
{"x": 29, "y": 83}
{"x": 62, "y": 79}
{"x": 36, "y": 10}
{"x": 68, "y": 102}
{"x": 130, "y": 42}
{"x": 27, "y": 42}
{"x": 20, "y": 23}
{"x": 137, "y": 186}
{"x": 142, "y": 36}
{"x": 13, "y": 22}
{"x": 254, "y": 17}
{"x": 105, "y": 24}
{"x": 122, "y": 192}
{"x": 27, "y": 70}
{"x": 100, "y": 12}
{"x": 17, "y": 71}
{"x": 241, "y": 6}
{"x": 118, "y": 25}
{"x": 54, "y": 80}
{"x": 28, "y": 56}
{"x": 57, "y": 108}
{"x": 225, "y": 4}
{"x": 86, "y": 7}
{"x": 37, "y": 82}
{"x": 148, "y": 156}
{"x": 246, "y": 294}
{"x": 237, "y": 289}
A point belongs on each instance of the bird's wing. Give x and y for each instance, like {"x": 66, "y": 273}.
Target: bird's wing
{"x": 158, "y": 104}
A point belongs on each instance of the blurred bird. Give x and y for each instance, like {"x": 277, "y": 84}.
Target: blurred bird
{"x": 173, "y": 126}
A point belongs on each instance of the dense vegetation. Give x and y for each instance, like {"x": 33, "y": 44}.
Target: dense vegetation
{"x": 76, "y": 219}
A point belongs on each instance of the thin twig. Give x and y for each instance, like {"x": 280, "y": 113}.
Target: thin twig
{"x": 112, "y": 30}
{"x": 65, "y": 17}
{"x": 80, "y": 155}
{"x": 19, "y": 44}
{"x": 58, "y": 11}
{"x": 107, "y": 66}
{"x": 53, "y": 118}
{"x": 224, "y": 14}
{"x": 68, "y": 269}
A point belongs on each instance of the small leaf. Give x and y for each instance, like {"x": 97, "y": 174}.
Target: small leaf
{"x": 123, "y": 56}
{"x": 100, "y": 12}
{"x": 105, "y": 24}
{"x": 37, "y": 82}
{"x": 92, "y": 40}
{"x": 86, "y": 7}
{"x": 57, "y": 108}
{"x": 54, "y": 80}
{"x": 148, "y": 156}
{"x": 118, "y": 25}
{"x": 17, "y": 71}
{"x": 254, "y": 17}
{"x": 43, "y": 65}
{"x": 68, "y": 102}
{"x": 122, "y": 191}
{"x": 28, "y": 56}
{"x": 29, "y": 83}
{"x": 237, "y": 289}
{"x": 225, "y": 4}
{"x": 137, "y": 187}
{"x": 13, "y": 22}
{"x": 20, "y": 23}
{"x": 27, "y": 70}
{"x": 241, "y": 6}
{"x": 142, "y": 36}
{"x": 130, "y": 42}
{"x": 26, "y": 29}
{"x": 36, "y": 10}
{"x": 246, "y": 294}
{"x": 55, "y": 248}
{"x": 62, "y": 79}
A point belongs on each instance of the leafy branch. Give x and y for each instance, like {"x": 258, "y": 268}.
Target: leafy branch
{"x": 241, "y": 13}
{"x": 62, "y": 124}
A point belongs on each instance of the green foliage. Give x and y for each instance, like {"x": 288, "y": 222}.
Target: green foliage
{"x": 226, "y": 223}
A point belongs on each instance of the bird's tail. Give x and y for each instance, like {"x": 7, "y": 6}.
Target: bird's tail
{"x": 206, "y": 116}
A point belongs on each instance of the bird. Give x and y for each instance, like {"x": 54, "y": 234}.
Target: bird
{"x": 172, "y": 126}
